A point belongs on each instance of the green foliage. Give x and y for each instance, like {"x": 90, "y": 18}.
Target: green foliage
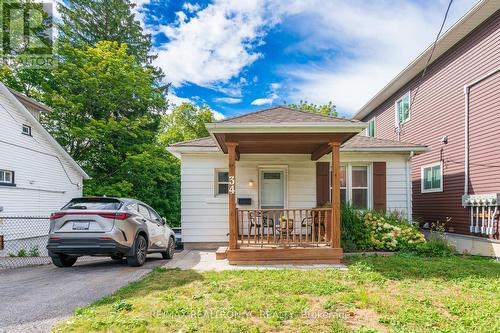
{"x": 435, "y": 247}
{"x": 122, "y": 306}
{"x": 34, "y": 251}
{"x": 391, "y": 232}
{"x": 327, "y": 109}
{"x": 22, "y": 253}
{"x": 88, "y": 22}
{"x": 354, "y": 233}
{"x": 371, "y": 230}
{"x": 185, "y": 122}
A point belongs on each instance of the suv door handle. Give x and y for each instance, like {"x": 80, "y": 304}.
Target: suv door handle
{"x": 142, "y": 220}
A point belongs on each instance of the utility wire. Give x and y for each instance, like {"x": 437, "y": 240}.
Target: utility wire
{"x": 412, "y": 100}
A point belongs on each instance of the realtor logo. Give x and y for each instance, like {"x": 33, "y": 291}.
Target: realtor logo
{"x": 26, "y": 34}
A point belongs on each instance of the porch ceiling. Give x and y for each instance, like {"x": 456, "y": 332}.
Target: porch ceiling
{"x": 315, "y": 144}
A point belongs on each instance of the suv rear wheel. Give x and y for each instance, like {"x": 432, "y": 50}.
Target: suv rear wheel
{"x": 169, "y": 253}
{"x": 140, "y": 249}
{"x": 63, "y": 260}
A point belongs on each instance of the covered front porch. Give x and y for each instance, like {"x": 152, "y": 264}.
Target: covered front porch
{"x": 271, "y": 230}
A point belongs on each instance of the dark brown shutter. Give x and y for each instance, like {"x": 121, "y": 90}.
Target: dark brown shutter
{"x": 379, "y": 186}
{"x": 322, "y": 183}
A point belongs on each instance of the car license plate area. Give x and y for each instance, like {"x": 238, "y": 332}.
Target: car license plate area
{"x": 81, "y": 225}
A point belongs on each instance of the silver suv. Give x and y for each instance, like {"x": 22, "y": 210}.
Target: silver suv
{"x": 114, "y": 227}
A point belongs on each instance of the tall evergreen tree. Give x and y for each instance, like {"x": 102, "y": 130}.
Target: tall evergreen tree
{"x": 86, "y": 22}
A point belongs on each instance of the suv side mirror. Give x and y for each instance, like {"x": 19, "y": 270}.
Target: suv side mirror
{"x": 163, "y": 221}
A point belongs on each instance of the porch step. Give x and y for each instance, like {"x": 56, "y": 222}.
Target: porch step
{"x": 221, "y": 253}
{"x": 301, "y": 256}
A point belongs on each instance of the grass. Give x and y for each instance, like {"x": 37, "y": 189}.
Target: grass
{"x": 403, "y": 293}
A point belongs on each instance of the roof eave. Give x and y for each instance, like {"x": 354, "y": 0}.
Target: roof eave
{"x": 416, "y": 150}
{"x": 35, "y": 123}
{"x": 313, "y": 127}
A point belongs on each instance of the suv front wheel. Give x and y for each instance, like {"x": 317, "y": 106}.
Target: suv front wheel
{"x": 140, "y": 249}
{"x": 63, "y": 260}
{"x": 169, "y": 253}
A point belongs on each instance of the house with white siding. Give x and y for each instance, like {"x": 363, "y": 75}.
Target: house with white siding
{"x": 37, "y": 176}
{"x": 268, "y": 184}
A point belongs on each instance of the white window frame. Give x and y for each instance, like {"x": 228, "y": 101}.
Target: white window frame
{"x": 28, "y": 127}
{"x": 12, "y": 179}
{"x": 217, "y": 182}
{"x": 374, "y": 128}
{"x": 396, "y": 118}
{"x": 349, "y": 187}
{"x": 431, "y": 190}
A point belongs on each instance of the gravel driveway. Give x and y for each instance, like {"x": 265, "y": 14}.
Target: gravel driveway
{"x": 33, "y": 299}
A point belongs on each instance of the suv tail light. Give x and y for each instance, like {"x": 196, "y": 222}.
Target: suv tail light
{"x": 118, "y": 216}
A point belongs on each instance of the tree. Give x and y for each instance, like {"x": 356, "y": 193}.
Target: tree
{"x": 185, "y": 122}
{"x": 327, "y": 109}
{"x": 87, "y": 22}
{"x": 107, "y": 112}
{"x": 95, "y": 84}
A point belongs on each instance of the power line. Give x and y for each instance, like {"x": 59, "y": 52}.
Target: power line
{"x": 412, "y": 100}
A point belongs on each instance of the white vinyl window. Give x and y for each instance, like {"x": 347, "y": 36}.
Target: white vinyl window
{"x": 6, "y": 177}
{"x": 355, "y": 185}
{"x": 221, "y": 182}
{"x": 431, "y": 178}
{"x": 26, "y": 130}
{"x": 370, "y": 131}
{"x": 402, "y": 106}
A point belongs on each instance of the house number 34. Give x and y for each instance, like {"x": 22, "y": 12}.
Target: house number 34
{"x": 231, "y": 184}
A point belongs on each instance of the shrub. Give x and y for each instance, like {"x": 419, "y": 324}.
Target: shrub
{"x": 391, "y": 232}
{"x": 435, "y": 247}
{"x": 34, "y": 251}
{"x": 371, "y": 230}
{"x": 354, "y": 233}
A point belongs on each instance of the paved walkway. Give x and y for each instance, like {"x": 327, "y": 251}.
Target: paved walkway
{"x": 205, "y": 261}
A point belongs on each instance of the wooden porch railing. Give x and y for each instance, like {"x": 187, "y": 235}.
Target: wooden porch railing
{"x": 284, "y": 227}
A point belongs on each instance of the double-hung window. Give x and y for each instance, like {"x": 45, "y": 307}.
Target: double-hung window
{"x": 221, "y": 182}
{"x": 432, "y": 178}
{"x": 355, "y": 185}
{"x": 403, "y": 109}
{"x": 6, "y": 177}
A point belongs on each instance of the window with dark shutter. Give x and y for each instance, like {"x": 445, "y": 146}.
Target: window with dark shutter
{"x": 322, "y": 183}
{"x": 379, "y": 186}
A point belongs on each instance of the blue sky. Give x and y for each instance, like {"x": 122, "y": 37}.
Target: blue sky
{"x": 239, "y": 56}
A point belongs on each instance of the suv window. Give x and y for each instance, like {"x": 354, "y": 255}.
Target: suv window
{"x": 154, "y": 215}
{"x": 94, "y": 204}
{"x": 144, "y": 211}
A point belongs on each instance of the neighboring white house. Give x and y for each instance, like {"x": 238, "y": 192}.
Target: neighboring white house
{"x": 37, "y": 176}
{"x": 374, "y": 173}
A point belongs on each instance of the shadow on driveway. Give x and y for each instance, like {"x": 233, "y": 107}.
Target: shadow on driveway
{"x": 35, "y": 298}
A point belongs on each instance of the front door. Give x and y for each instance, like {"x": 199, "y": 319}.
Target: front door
{"x": 272, "y": 189}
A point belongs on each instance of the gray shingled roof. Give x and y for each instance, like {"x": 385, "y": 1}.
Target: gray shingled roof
{"x": 283, "y": 114}
{"x": 357, "y": 142}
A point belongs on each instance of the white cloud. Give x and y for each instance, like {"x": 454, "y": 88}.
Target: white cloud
{"x": 262, "y": 101}
{"x": 218, "y": 115}
{"x": 215, "y": 45}
{"x": 174, "y": 100}
{"x": 373, "y": 42}
{"x": 190, "y": 7}
{"x": 228, "y": 100}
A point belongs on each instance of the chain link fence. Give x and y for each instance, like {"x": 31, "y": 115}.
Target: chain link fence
{"x": 23, "y": 241}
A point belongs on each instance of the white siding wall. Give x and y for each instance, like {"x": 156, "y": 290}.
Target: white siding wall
{"x": 42, "y": 184}
{"x": 204, "y": 216}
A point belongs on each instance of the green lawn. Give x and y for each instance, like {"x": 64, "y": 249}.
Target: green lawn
{"x": 377, "y": 294}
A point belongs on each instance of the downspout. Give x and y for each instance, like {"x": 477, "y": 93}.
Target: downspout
{"x": 409, "y": 210}
{"x": 466, "y": 127}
